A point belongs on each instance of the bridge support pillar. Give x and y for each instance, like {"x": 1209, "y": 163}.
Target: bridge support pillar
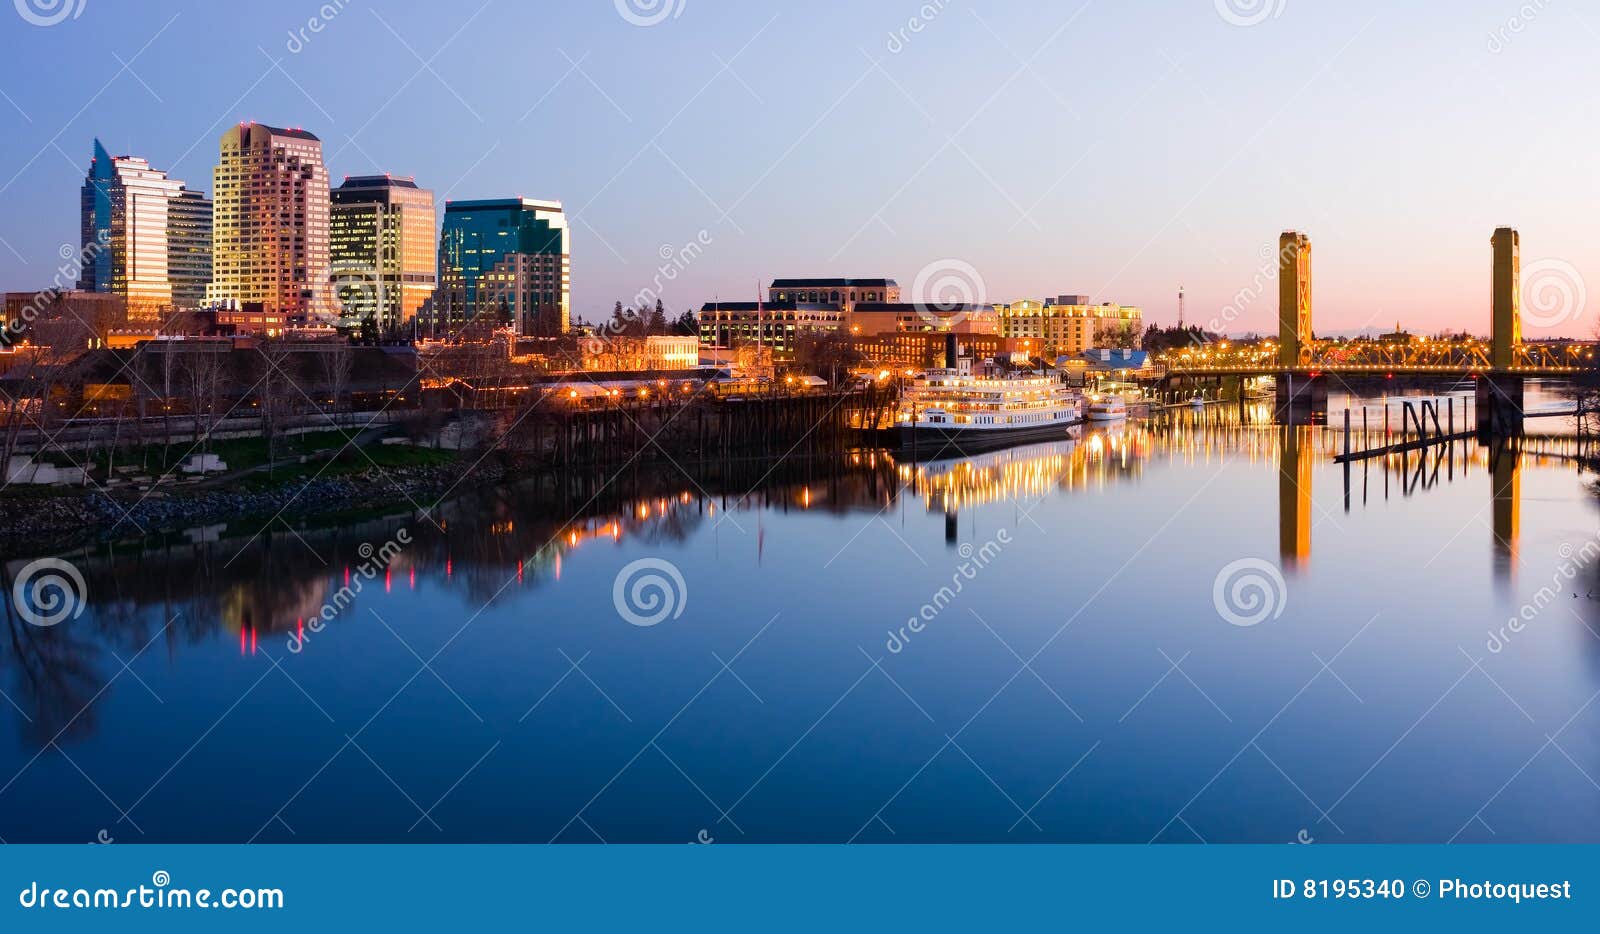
{"x": 1499, "y": 404}
{"x": 1301, "y": 399}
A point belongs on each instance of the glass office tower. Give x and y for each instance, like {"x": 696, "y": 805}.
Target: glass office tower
{"x": 506, "y": 262}
{"x": 123, "y": 232}
{"x": 381, "y": 241}
{"x": 189, "y": 247}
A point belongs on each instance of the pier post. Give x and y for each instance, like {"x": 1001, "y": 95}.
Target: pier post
{"x": 1499, "y": 404}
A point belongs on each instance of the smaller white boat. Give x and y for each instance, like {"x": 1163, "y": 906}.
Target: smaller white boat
{"x": 1107, "y": 408}
{"x": 1198, "y": 402}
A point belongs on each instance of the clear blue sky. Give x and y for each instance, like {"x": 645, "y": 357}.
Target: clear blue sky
{"x": 1117, "y": 148}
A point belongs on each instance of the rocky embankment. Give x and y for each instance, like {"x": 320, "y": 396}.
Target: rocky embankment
{"x": 32, "y": 526}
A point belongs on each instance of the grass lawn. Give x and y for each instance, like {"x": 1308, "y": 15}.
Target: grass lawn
{"x": 244, "y": 453}
{"x": 344, "y": 460}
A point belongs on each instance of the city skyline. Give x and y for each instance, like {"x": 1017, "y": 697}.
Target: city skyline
{"x": 1180, "y": 167}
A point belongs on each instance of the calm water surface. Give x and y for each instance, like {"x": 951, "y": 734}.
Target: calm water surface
{"x": 1086, "y": 681}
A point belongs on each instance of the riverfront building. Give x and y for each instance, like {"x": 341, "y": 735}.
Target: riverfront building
{"x": 898, "y": 351}
{"x": 1068, "y": 324}
{"x": 871, "y": 318}
{"x": 123, "y": 232}
{"x": 504, "y": 261}
{"x": 845, "y": 293}
{"x": 270, "y": 224}
{"x": 381, "y": 243}
{"x": 768, "y": 326}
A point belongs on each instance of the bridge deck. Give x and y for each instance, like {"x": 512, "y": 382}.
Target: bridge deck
{"x": 1373, "y": 369}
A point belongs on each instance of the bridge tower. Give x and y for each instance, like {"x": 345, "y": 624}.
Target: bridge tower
{"x": 1294, "y": 299}
{"x": 1506, "y": 330}
{"x": 1499, "y": 404}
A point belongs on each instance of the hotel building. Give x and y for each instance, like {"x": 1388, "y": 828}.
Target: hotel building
{"x": 505, "y": 261}
{"x": 123, "y": 232}
{"x": 270, "y": 225}
{"x": 1067, "y": 325}
{"x": 383, "y": 254}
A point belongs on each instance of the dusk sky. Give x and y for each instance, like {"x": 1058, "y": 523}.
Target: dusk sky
{"x": 1115, "y": 148}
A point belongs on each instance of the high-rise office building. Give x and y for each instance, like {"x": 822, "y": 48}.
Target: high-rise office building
{"x": 270, "y": 224}
{"x": 381, "y": 242}
{"x": 504, "y": 261}
{"x": 189, "y": 247}
{"x": 123, "y": 228}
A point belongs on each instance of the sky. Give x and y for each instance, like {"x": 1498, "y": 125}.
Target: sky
{"x": 995, "y": 150}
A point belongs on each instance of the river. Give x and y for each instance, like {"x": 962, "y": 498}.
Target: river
{"x": 1196, "y": 627}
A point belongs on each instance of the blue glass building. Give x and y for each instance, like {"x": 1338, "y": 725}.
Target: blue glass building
{"x": 504, "y": 262}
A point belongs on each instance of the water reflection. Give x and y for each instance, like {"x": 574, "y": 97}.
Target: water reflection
{"x": 201, "y": 598}
{"x": 161, "y": 595}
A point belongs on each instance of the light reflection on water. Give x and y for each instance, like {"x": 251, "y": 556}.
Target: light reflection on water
{"x": 1080, "y": 685}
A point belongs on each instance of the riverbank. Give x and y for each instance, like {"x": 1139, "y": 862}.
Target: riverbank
{"x": 35, "y": 523}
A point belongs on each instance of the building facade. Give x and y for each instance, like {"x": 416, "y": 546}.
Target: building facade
{"x": 270, "y": 224}
{"x": 767, "y": 326}
{"x": 123, "y": 232}
{"x": 507, "y": 261}
{"x": 870, "y": 318}
{"x": 383, "y": 256}
{"x": 898, "y": 351}
{"x": 1051, "y": 329}
{"x": 189, "y": 247}
{"x": 845, "y": 293}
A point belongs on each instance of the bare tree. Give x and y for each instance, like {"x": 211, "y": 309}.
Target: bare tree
{"x": 275, "y": 395}
{"x": 337, "y": 363}
{"x": 201, "y": 372}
